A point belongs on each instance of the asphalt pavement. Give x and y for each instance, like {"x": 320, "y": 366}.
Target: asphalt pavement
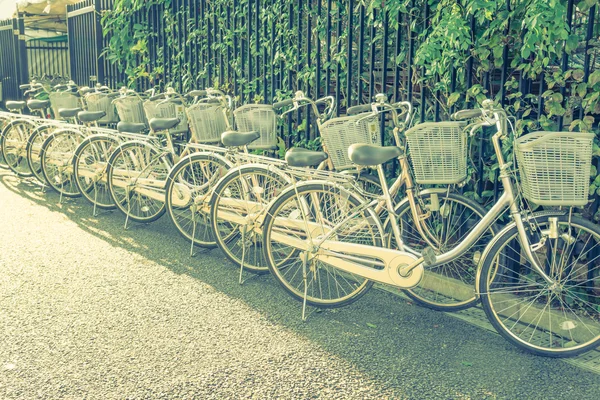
{"x": 89, "y": 310}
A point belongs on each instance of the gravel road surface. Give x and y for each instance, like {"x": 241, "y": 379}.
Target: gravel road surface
{"x": 88, "y": 310}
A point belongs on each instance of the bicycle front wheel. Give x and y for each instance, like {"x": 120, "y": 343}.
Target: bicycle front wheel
{"x": 57, "y": 161}
{"x": 137, "y": 175}
{"x": 14, "y": 146}
{"x": 89, "y": 167}
{"x": 557, "y": 319}
{"x": 34, "y": 146}
{"x": 238, "y": 206}
{"x": 188, "y": 192}
{"x": 450, "y": 217}
{"x": 301, "y": 216}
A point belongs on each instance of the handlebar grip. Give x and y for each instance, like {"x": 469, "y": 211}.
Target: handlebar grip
{"x": 197, "y": 93}
{"x": 25, "y": 86}
{"x": 283, "y": 103}
{"x": 362, "y": 108}
{"x": 157, "y": 97}
{"x": 466, "y": 114}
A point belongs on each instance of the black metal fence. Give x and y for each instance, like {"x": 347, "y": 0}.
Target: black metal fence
{"x": 48, "y": 58}
{"x": 13, "y": 59}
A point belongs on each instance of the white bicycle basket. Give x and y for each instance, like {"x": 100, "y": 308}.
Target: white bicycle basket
{"x": 260, "y": 118}
{"x": 555, "y": 167}
{"x": 207, "y": 122}
{"x": 101, "y": 102}
{"x": 131, "y": 109}
{"x": 438, "y": 151}
{"x": 153, "y": 109}
{"x": 338, "y": 134}
{"x": 60, "y": 100}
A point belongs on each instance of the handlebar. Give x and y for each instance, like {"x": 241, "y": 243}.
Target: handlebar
{"x": 466, "y": 114}
{"x": 197, "y": 93}
{"x": 283, "y": 103}
{"x": 488, "y": 115}
{"x": 362, "y": 108}
{"x": 300, "y": 100}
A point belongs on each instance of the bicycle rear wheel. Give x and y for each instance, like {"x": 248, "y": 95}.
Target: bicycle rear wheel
{"x": 302, "y": 215}
{"x": 189, "y": 187}
{"x": 558, "y": 319}
{"x": 136, "y": 175}
{"x": 34, "y": 146}
{"x": 3, "y": 123}
{"x": 90, "y": 163}
{"x": 450, "y": 218}
{"x": 238, "y": 205}
{"x": 14, "y": 145}
{"x": 57, "y": 161}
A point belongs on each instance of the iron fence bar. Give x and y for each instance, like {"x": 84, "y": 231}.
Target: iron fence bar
{"x": 398, "y": 50}
{"x": 299, "y": 85}
{"x": 309, "y": 131}
{"x": 361, "y": 52}
{"x": 372, "y": 57}
{"x": 338, "y": 85}
{"x": 565, "y": 59}
{"x": 587, "y": 57}
{"x": 411, "y": 51}
{"x": 423, "y": 70}
{"x": 318, "y": 50}
{"x": 328, "y": 44}
{"x": 384, "y": 46}
{"x": 349, "y": 55}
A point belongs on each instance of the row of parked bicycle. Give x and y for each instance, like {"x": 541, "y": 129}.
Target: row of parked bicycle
{"x": 321, "y": 222}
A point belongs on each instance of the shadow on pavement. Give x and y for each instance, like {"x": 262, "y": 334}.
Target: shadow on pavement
{"x": 399, "y": 344}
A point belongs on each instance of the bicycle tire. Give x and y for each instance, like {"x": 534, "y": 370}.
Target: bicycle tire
{"x": 520, "y": 305}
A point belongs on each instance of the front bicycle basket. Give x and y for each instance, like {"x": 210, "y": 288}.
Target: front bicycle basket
{"x": 167, "y": 110}
{"x": 555, "y": 167}
{"x": 60, "y": 100}
{"x": 207, "y": 122}
{"x": 438, "y": 152}
{"x": 131, "y": 109}
{"x": 101, "y": 102}
{"x": 338, "y": 134}
{"x": 260, "y": 118}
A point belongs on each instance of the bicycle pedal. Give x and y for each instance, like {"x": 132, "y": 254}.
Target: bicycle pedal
{"x": 429, "y": 256}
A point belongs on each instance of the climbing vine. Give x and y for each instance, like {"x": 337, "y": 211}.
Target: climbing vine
{"x": 536, "y": 57}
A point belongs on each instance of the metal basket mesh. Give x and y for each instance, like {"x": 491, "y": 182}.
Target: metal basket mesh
{"x": 338, "y": 134}
{"x": 260, "y": 118}
{"x": 60, "y": 100}
{"x": 101, "y": 102}
{"x": 555, "y": 167}
{"x": 131, "y": 109}
{"x": 167, "y": 110}
{"x": 207, "y": 122}
{"x": 438, "y": 151}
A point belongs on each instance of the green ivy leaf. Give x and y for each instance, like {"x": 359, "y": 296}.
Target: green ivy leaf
{"x": 594, "y": 78}
{"x": 453, "y": 98}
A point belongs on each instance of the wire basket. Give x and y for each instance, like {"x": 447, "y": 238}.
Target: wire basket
{"x": 60, "y": 100}
{"x": 438, "y": 151}
{"x": 207, "y": 122}
{"x": 260, "y": 118}
{"x": 130, "y": 109}
{"x": 555, "y": 167}
{"x": 101, "y": 102}
{"x": 338, "y": 134}
{"x": 157, "y": 109}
